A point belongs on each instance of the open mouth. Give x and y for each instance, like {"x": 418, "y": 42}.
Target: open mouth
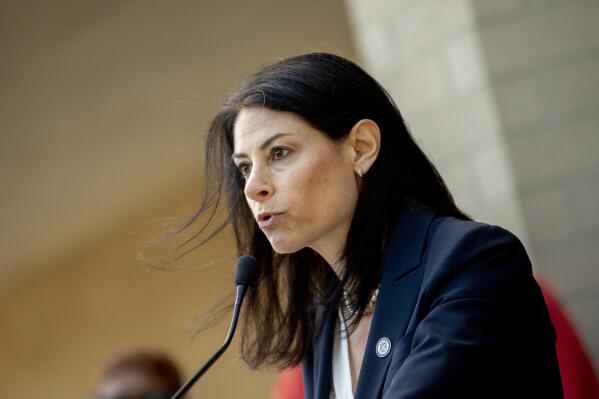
{"x": 267, "y": 219}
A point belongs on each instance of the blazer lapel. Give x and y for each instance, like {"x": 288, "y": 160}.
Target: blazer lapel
{"x": 322, "y": 366}
{"x": 398, "y": 292}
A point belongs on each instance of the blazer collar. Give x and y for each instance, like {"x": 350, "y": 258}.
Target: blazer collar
{"x": 406, "y": 244}
{"x": 323, "y": 353}
{"x": 398, "y": 292}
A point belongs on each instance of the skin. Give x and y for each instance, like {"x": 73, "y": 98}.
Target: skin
{"x": 310, "y": 182}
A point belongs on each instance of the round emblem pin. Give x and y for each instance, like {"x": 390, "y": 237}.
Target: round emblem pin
{"x": 383, "y": 347}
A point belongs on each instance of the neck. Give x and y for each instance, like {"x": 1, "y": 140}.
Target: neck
{"x": 338, "y": 267}
{"x": 334, "y": 257}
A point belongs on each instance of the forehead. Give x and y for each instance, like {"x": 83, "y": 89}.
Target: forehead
{"x": 255, "y": 124}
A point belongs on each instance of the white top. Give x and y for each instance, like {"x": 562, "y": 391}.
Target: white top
{"x": 342, "y": 384}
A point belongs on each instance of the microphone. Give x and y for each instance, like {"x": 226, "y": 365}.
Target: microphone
{"x": 245, "y": 276}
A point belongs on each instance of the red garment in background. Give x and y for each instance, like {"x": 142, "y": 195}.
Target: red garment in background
{"x": 288, "y": 385}
{"x": 579, "y": 379}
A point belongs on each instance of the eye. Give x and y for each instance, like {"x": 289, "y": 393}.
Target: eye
{"x": 244, "y": 169}
{"x": 279, "y": 153}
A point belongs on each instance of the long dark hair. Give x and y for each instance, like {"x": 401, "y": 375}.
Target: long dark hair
{"x": 331, "y": 94}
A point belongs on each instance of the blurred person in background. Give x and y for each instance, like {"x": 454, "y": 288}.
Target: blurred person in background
{"x": 139, "y": 375}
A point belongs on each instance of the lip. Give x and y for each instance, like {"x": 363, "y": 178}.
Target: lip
{"x": 267, "y": 219}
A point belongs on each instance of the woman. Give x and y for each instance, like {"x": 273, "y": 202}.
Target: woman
{"x": 371, "y": 276}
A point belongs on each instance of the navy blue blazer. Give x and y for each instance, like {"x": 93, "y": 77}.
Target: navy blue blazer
{"x": 464, "y": 316}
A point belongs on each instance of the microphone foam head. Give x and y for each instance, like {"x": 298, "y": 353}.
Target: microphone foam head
{"x": 247, "y": 271}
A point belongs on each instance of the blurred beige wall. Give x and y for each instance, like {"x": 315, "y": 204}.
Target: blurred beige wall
{"x": 61, "y": 325}
{"x": 102, "y": 112}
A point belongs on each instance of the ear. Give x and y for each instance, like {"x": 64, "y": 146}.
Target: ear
{"x": 364, "y": 140}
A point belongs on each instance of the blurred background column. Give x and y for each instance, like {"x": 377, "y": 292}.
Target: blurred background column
{"x": 504, "y": 96}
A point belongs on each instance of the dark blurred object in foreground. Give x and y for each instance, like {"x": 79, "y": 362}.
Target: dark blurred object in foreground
{"x": 139, "y": 375}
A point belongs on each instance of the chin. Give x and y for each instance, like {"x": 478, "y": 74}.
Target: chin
{"x": 284, "y": 246}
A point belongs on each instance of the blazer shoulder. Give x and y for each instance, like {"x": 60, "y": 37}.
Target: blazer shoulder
{"x": 467, "y": 252}
{"x": 446, "y": 226}
{"x": 449, "y": 234}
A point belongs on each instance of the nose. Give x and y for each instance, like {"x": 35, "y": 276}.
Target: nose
{"x": 258, "y": 185}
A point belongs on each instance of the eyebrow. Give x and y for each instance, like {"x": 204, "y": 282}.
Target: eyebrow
{"x": 263, "y": 145}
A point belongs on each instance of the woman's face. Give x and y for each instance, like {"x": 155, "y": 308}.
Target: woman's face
{"x": 300, "y": 185}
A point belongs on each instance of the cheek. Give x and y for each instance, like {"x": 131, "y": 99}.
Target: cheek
{"x": 320, "y": 198}
{"x": 331, "y": 189}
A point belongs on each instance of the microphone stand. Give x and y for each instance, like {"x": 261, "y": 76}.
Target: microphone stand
{"x": 241, "y": 289}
